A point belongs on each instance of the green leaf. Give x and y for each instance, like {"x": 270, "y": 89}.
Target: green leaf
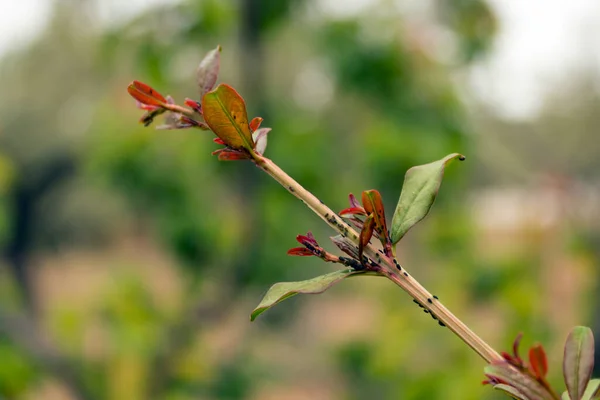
{"x": 578, "y": 361}
{"x": 284, "y": 290}
{"x": 208, "y": 71}
{"x": 225, "y": 113}
{"x": 592, "y": 391}
{"x": 421, "y": 185}
{"x": 525, "y": 384}
{"x": 511, "y": 391}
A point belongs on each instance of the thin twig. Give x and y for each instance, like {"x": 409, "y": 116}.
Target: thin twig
{"x": 180, "y": 110}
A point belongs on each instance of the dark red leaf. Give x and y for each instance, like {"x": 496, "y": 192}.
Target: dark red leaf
{"x": 353, "y": 211}
{"x": 373, "y": 205}
{"x": 309, "y": 238}
{"x": 231, "y": 155}
{"x": 300, "y": 251}
{"x": 516, "y": 344}
{"x": 507, "y": 356}
{"x": 538, "y": 361}
{"x": 194, "y": 105}
{"x": 365, "y": 235}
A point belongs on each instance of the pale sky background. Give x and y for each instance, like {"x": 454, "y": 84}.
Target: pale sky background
{"x": 539, "y": 42}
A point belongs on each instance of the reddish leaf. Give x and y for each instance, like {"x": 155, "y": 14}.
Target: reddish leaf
{"x": 225, "y": 113}
{"x": 218, "y": 141}
{"x": 309, "y": 238}
{"x": 194, "y": 105}
{"x": 300, "y": 251}
{"x": 516, "y": 344}
{"x": 208, "y": 71}
{"x": 193, "y": 122}
{"x": 538, "y": 361}
{"x": 146, "y": 107}
{"x": 374, "y": 206}
{"x": 365, "y": 235}
{"x": 255, "y": 123}
{"x": 229, "y": 155}
{"x": 353, "y": 211}
{"x": 510, "y": 359}
{"x": 353, "y": 201}
{"x": 145, "y": 94}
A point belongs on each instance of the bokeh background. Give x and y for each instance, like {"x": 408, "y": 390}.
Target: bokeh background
{"x": 131, "y": 258}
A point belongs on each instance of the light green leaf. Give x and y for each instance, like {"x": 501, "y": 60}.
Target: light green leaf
{"x": 421, "y": 185}
{"x": 578, "y": 361}
{"x": 565, "y": 396}
{"x": 511, "y": 391}
{"x": 284, "y": 290}
{"x": 592, "y": 391}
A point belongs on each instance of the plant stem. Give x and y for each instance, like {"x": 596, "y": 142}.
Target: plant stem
{"x": 181, "y": 110}
{"x": 389, "y": 266}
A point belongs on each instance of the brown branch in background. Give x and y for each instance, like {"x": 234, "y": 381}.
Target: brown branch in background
{"x": 25, "y": 196}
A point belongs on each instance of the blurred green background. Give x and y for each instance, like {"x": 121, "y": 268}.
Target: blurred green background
{"x": 132, "y": 258}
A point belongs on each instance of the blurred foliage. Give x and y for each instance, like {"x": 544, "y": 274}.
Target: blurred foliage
{"x": 473, "y": 23}
{"x": 144, "y": 255}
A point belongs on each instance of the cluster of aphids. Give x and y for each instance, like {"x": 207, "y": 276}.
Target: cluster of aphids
{"x": 426, "y": 311}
